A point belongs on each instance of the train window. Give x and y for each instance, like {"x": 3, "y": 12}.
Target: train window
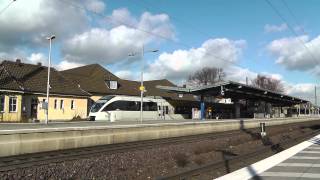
{"x": 133, "y": 106}
{"x": 150, "y": 106}
{"x": 167, "y": 110}
{"x": 123, "y": 105}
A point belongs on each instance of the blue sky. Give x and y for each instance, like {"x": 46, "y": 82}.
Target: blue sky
{"x": 244, "y": 37}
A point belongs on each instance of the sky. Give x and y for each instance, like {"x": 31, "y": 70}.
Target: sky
{"x": 277, "y": 38}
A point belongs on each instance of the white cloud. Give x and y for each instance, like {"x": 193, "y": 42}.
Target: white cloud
{"x": 302, "y": 90}
{"x": 270, "y": 28}
{"x": 126, "y": 74}
{"x": 27, "y": 23}
{"x": 63, "y": 65}
{"x": 95, "y": 5}
{"x": 107, "y": 46}
{"x": 35, "y": 58}
{"x": 102, "y": 46}
{"x": 157, "y": 24}
{"x": 239, "y": 74}
{"x": 122, "y": 16}
{"x": 181, "y": 63}
{"x": 296, "y": 53}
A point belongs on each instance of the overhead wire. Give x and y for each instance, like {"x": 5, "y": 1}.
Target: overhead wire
{"x": 119, "y": 22}
{"x": 6, "y": 7}
{"x": 147, "y": 6}
{"x": 296, "y": 22}
{"x": 293, "y": 16}
{"x": 292, "y": 30}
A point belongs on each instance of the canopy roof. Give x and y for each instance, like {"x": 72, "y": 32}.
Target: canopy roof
{"x": 237, "y": 91}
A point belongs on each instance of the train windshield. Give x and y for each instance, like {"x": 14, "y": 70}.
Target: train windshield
{"x": 97, "y": 106}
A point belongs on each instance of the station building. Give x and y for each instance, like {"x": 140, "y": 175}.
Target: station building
{"x": 23, "y": 88}
{"x": 99, "y": 82}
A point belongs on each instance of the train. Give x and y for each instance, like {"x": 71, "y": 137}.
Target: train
{"x": 117, "y": 107}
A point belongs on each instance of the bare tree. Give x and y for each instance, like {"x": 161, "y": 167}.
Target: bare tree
{"x": 206, "y": 76}
{"x": 268, "y": 83}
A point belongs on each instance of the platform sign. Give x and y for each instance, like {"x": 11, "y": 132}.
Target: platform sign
{"x": 142, "y": 88}
{"x": 44, "y": 105}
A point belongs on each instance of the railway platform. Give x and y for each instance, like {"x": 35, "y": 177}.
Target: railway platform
{"x": 17, "y": 139}
{"x": 301, "y": 162}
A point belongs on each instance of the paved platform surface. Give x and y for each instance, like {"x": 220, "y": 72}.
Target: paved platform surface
{"x": 13, "y": 126}
{"x": 62, "y": 124}
{"x": 86, "y": 125}
{"x": 301, "y": 162}
{"x": 303, "y": 165}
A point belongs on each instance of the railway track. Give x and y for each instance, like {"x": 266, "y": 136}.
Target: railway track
{"x": 36, "y": 159}
{"x": 43, "y": 158}
{"x": 194, "y": 173}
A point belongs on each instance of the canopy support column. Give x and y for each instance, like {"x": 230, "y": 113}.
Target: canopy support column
{"x": 202, "y": 108}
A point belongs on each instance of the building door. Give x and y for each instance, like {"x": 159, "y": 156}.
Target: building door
{"x": 34, "y": 108}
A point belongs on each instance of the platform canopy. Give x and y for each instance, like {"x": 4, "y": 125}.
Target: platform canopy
{"x": 237, "y": 91}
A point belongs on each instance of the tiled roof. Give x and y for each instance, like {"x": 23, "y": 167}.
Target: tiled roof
{"x": 92, "y": 78}
{"x": 33, "y": 79}
{"x": 7, "y": 81}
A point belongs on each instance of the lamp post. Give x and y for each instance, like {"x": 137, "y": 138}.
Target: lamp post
{"x": 50, "y": 38}
{"x": 142, "y": 88}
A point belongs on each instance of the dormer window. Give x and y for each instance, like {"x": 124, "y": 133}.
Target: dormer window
{"x": 112, "y": 84}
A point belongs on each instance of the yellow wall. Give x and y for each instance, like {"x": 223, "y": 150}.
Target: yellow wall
{"x": 11, "y": 116}
{"x": 95, "y": 98}
{"x": 66, "y": 113}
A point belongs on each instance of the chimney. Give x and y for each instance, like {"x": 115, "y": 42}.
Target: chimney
{"x": 39, "y": 64}
{"x": 18, "y": 61}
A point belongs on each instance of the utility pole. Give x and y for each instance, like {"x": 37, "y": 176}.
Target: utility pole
{"x": 315, "y": 95}
{"x": 247, "y": 81}
{"x": 142, "y": 88}
{"x": 48, "y": 81}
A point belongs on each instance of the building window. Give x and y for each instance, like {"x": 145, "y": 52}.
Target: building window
{"x": 13, "y": 104}
{"x": 55, "y": 104}
{"x": 1, "y": 103}
{"x": 112, "y": 84}
{"x": 61, "y": 104}
{"x": 73, "y": 105}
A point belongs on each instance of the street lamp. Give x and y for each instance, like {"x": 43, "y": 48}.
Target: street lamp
{"x": 142, "y": 88}
{"x": 50, "y": 38}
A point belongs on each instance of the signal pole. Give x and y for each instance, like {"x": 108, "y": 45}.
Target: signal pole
{"x": 315, "y": 95}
